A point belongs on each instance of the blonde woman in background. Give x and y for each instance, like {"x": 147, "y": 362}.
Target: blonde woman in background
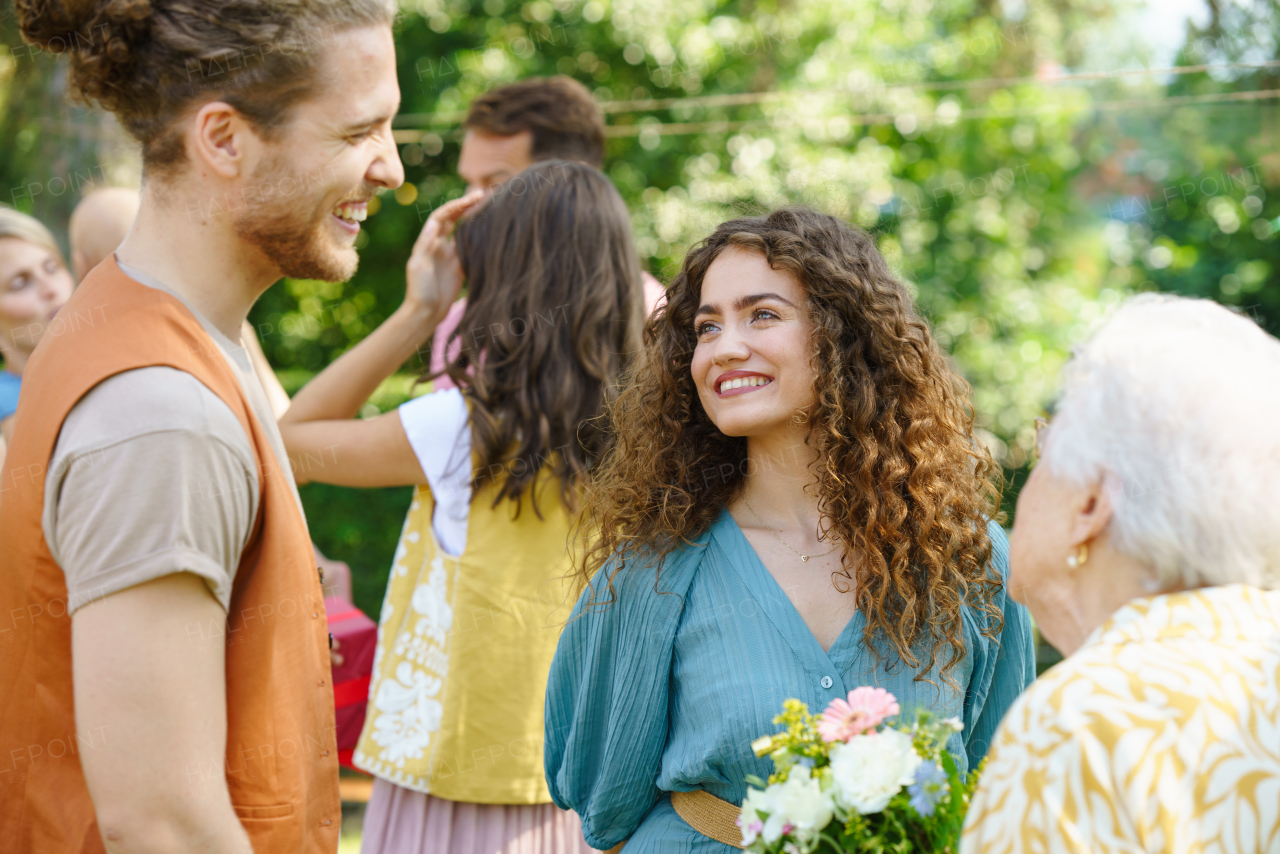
{"x": 1147, "y": 545}
{"x": 34, "y": 284}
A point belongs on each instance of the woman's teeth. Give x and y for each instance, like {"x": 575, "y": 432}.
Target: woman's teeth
{"x": 352, "y": 212}
{"x": 743, "y": 382}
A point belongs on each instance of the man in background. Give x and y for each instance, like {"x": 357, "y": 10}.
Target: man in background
{"x": 510, "y": 128}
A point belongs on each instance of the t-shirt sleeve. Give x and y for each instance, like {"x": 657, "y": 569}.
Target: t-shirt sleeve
{"x": 438, "y": 428}
{"x": 152, "y": 475}
{"x": 1004, "y": 668}
{"x": 654, "y": 293}
{"x": 606, "y": 712}
{"x": 9, "y": 386}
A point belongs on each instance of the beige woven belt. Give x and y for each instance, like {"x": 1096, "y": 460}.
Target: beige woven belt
{"x": 709, "y": 815}
{"x": 704, "y": 812}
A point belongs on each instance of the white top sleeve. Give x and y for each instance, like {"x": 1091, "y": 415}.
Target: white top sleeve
{"x": 439, "y": 430}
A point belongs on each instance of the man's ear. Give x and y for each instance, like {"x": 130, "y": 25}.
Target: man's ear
{"x": 1093, "y": 512}
{"x": 220, "y": 139}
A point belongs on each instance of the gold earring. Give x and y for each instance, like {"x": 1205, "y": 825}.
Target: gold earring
{"x": 1077, "y": 560}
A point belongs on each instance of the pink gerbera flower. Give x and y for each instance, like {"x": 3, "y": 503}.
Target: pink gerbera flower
{"x": 865, "y": 709}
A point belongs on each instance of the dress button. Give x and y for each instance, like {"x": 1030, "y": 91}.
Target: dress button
{"x": 826, "y": 682}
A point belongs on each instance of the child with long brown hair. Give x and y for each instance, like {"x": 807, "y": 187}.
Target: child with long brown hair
{"x": 794, "y": 459}
{"x": 470, "y": 622}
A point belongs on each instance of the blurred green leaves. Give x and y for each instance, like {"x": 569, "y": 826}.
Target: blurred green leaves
{"x": 728, "y": 109}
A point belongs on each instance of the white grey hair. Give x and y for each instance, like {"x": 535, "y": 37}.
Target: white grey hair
{"x": 1174, "y": 404}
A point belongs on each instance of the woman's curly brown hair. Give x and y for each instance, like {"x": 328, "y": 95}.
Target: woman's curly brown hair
{"x": 901, "y": 480}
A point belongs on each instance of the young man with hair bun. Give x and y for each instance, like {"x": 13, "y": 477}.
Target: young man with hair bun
{"x": 166, "y": 680}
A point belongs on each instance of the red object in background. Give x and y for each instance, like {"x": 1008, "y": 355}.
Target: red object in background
{"x": 357, "y": 637}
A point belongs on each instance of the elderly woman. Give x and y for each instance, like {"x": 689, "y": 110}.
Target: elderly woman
{"x": 1147, "y": 545}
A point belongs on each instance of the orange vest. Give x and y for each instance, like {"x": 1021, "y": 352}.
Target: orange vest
{"x": 281, "y": 763}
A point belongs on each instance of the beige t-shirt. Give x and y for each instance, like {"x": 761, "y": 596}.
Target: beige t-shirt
{"x": 152, "y": 475}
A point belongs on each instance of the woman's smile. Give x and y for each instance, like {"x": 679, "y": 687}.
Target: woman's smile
{"x": 736, "y": 383}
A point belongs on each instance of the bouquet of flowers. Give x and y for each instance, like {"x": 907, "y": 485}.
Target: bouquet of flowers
{"x": 862, "y": 777}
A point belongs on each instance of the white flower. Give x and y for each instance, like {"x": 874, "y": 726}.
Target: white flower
{"x": 796, "y": 805}
{"x": 751, "y": 822}
{"x": 869, "y": 770}
{"x": 802, "y": 802}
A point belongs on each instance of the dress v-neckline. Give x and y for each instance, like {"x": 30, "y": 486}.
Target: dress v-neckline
{"x": 782, "y": 611}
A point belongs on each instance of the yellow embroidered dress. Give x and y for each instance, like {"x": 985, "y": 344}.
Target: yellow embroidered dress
{"x": 1161, "y": 734}
{"x": 464, "y": 647}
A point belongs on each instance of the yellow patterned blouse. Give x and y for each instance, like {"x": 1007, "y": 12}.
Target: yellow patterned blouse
{"x": 1162, "y": 733}
{"x": 464, "y": 648}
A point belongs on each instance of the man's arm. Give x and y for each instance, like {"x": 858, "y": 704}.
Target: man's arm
{"x": 150, "y": 700}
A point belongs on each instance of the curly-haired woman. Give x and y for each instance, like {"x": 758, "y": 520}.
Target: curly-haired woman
{"x": 794, "y": 505}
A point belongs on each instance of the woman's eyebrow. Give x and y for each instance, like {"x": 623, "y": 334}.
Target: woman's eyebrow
{"x": 748, "y": 301}
{"x": 745, "y": 303}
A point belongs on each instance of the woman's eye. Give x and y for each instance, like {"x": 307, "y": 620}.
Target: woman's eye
{"x": 764, "y": 314}
{"x": 17, "y": 283}
{"x": 50, "y": 266}
{"x": 704, "y": 327}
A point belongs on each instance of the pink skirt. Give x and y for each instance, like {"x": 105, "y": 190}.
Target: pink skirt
{"x": 402, "y": 821}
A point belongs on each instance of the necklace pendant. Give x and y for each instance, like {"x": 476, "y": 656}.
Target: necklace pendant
{"x": 804, "y": 557}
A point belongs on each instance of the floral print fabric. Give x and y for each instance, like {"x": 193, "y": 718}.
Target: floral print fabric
{"x": 1161, "y": 734}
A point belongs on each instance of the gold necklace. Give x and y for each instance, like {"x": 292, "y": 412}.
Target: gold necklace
{"x": 803, "y": 558}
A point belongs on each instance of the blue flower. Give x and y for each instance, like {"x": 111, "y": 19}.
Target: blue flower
{"x": 929, "y": 788}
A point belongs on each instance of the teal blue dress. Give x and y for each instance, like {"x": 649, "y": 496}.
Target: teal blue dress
{"x": 664, "y": 691}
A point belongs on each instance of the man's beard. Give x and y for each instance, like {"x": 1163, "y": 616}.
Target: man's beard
{"x": 284, "y": 226}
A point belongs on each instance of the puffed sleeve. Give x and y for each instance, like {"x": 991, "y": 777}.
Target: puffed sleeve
{"x": 1003, "y": 669}
{"x": 606, "y": 712}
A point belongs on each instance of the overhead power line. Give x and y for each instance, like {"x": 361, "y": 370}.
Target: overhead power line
{"x": 743, "y": 98}
{"x": 943, "y": 85}
{"x": 681, "y": 128}
{"x": 684, "y": 128}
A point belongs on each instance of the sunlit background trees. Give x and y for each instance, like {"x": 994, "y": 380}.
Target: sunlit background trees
{"x": 1020, "y": 163}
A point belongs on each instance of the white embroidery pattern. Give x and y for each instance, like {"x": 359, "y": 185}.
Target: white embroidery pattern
{"x": 406, "y": 708}
{"x": 410, "y": 713}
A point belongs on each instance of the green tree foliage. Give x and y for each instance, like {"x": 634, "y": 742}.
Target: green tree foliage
{"x": 1020, "y": 205}
{"x": 1193, "y": 207}
{"x": 51, "y": 150}
{"x": 726, "y": 109}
